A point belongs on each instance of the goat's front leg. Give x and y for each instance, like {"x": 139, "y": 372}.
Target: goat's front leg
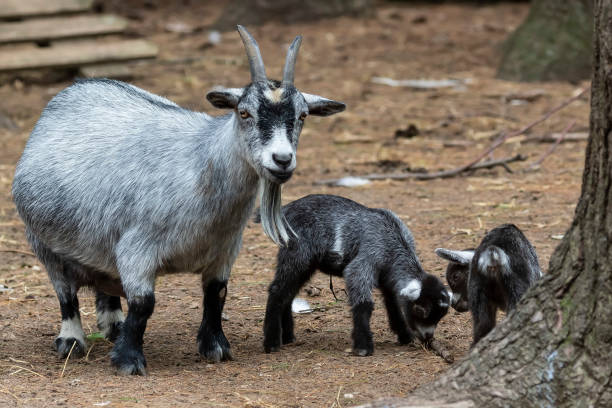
{"x": 359, "y": 277}
{"x": 212, "y": 343}
{"x": 397, "y": 322}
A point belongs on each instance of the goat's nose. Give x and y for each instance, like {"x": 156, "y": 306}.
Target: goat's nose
{"x": 282, "y": 159}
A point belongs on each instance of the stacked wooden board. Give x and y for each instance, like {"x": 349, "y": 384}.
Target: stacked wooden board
{"x": 37, "y": 34}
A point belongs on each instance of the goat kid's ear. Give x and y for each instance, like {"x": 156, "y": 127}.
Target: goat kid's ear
{"x": 319, "y": 106}
{"x": 225, "y": 98}
{"x": 460, "y": 257}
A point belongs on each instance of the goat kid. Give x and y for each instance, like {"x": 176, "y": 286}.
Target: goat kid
{"x": 117, "y": 186}
{"x": 493, "y": 276}
{"x": 368, "y": 247}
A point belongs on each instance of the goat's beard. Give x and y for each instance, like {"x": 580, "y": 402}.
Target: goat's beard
{"x": 273, "y": 221}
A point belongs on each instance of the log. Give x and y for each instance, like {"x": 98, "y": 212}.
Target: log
{"x": 47, "y": 29}
{"x": 76, "y": 54}
{"x": 30, "y": 8}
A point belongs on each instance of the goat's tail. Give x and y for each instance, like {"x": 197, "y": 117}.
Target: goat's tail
{"x": 493, "y": 260}
{"x": 271, "y": 216}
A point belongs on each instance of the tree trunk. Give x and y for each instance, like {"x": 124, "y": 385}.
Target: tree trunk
{"x": 553, "y": 43}
{"x": 554, "y": 350}
{"x": 255, "y": 12}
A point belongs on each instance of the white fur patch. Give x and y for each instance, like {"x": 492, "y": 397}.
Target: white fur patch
{"x": 493, "y": 256}
{"x": 72, "y": 328}
{"x": 274, "y": 95}
{"x": 338, "y": 240}
{"x": 106, "y": 320}
{"x": 412, "y": 290}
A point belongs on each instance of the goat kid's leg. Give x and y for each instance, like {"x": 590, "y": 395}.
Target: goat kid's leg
{"x": 483, "y": 316}
{"x": 109, "y": 314}
{"x": 396, "y": 318}
{"x": 292, "y": 272}
{"x": 212, "y": 343}
{"x": 359, "y": 278}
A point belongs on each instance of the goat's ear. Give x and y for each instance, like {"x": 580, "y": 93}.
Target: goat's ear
{"x": 319, "y": 106}
{"x": 460, "y": 257}
{"x": 420, "y": 311}
{"x": 225, "y": 98}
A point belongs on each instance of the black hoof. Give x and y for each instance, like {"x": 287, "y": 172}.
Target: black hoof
{"x": 215, "y": 348}
{"x": 63, "y": 345}
{"x": 405, "y": 339}
{"x": 271, "y": 349}
{"x": 288, "y": 339}
{"x": 128, "y": 361}
{"x": 362, "y": 352}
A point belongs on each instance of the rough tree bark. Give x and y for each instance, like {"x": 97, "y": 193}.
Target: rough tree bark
{"x": 555, "y": 349}
{"x": 553, "y": 43}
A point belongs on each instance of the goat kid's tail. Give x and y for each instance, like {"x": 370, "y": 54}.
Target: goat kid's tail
{"x": 493, "y": 261}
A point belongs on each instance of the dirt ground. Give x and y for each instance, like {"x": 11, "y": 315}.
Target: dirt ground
{"x": 338, "y": 59}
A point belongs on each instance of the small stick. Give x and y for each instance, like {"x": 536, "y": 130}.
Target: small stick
{"x": 26, "y": 369}
{"x": 67, "y": 358}
{"x": 552, "y": 148}
{"x": 18, "y": 251}
{"x": 438, "y": 348}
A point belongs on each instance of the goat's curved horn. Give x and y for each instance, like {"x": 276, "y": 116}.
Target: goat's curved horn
{"x": 289, "y": 71}
{"x": 258, "y": 72}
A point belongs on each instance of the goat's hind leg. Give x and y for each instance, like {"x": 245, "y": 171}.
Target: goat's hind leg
{"x": 71, "y": 339}
{"x": 109, "y": 315}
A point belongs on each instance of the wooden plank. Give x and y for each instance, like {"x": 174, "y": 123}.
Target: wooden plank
{"x": 76, "y": 54}
{"x": 30, "y": 8}
{"x": 47, "y": 29}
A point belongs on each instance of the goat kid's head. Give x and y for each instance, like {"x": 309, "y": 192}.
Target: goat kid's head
{"x": 271, "y": 114}
{"x": 457, "y": 275}
{"x": 426, "y": 302}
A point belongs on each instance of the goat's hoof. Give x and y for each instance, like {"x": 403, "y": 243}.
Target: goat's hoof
{"x": 362, "y": 352}
{"x": 63, "y": 345}
{"x": 403, "y": 340}
{"x": 288, "y": 340}
{"x": 215, "y": 348}
{"x": 271, "y": 349}
{"x": 129, "y": 362}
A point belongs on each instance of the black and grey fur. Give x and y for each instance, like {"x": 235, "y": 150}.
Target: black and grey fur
{"x": 117, "y": 186}
{"x": 370, "y": 248}
{"x": 493, "y": 276}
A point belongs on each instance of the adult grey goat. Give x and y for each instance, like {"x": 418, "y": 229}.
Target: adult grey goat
{"x": 117, "y": 186}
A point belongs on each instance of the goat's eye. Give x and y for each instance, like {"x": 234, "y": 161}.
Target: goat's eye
{"x": 243, "y": 113}
{"x": 303, "y": 115}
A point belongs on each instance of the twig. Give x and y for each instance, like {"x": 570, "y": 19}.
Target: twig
{"x": 471, "y": 165}
{"x": 437, "y": 347}
{"x": 428, "y": 176}
{"x": 552, "y": 148}
{"x": 552, "y": 138}
{"x": 337, "y": 400}
{"x": 67, "y": 358}
{"x": 26, "y": 369}
{"x": 17, "y": 251}
{"x": 11, "y": 394}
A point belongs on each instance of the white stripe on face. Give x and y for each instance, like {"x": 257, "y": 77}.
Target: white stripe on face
{"x": 280, "y": 145}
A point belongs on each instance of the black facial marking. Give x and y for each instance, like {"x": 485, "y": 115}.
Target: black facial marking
{"x": 280, "y": 114}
